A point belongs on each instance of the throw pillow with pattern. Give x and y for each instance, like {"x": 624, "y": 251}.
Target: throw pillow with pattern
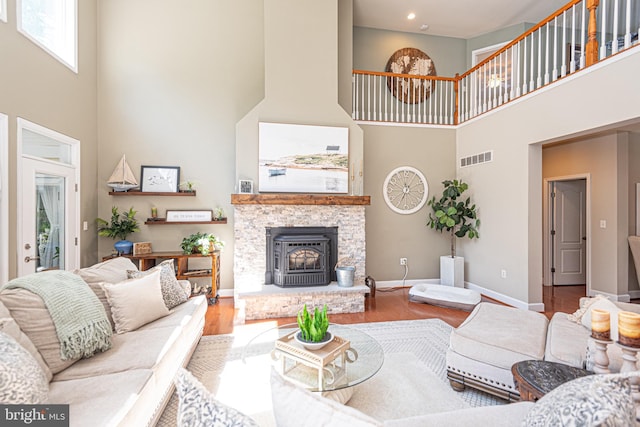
{"x": 22, "y": 380}
{"x": 172, "y": 293}
{"x": 197, "y": 407}
{"x": 595, "y": 400}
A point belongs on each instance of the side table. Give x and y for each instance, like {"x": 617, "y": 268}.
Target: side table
{"x": 535, "y": 378}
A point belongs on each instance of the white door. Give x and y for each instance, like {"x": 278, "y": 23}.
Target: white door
{"x": 569, "y": 232}
{"x": 48, "y": 237}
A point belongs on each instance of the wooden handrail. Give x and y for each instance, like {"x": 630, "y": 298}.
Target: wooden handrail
{"x": 404, "y": 76}
{"x": 525, "y": 35}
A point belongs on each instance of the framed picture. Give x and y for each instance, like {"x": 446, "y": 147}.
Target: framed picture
{"x": 303, "y": 158}
{"x": 159, "y": 179}
{"x": 245, "y": 186}
{"x": 189, "y": 216}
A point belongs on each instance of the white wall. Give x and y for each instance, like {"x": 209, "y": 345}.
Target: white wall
{"x": 508, "y": 190}
{"x": 39, "y": 88}
{"x": 174, "y": 78}
{"x": 605, "y": 158}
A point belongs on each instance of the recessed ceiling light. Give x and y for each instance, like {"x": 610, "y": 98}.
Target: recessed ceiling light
{"x": 424, "y": 27}
{"x": 411, "y": 16}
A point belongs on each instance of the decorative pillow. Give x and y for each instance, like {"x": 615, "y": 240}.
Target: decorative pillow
{"x": 595, "y": 400}
{"x": 100, "y": 291}
{"x": 11, "y": 328}
{"x": 31, "y": 314}
{"x": 577, "y": 315}
{"x": 607, "y": 305}
{"x": 22, "y": 381}
{"x": 111, "y": 271}
{"x": 294, "y": 406}
{"x": 136, "y": 302}
{"x": 197, "y": 407}
{"x": 172, "y": 293}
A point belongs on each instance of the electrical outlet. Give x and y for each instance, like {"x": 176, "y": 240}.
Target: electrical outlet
{"x": 503, "y": 273}
{"x": 403, "y": 261}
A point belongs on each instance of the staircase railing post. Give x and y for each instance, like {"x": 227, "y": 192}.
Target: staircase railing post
{"x": 592, "y": 41}
{"x": 456, "y": 110}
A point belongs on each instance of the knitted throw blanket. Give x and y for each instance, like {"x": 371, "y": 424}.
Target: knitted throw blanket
{"x": 79, "y": 317}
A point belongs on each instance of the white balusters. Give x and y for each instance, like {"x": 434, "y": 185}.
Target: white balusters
{"x": 603, "y": 33}
{"x": 627, "y": 33}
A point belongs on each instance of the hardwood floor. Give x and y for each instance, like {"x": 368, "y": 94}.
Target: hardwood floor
{"x": 392, "y": 305}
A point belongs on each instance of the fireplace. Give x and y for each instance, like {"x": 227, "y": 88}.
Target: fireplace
{"x": 301, "y": 256}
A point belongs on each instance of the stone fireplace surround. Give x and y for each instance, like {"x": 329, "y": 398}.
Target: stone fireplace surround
{"x": 253, "y": 213}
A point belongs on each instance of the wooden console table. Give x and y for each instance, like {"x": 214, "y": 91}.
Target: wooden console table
{"x": 150, "y": 260}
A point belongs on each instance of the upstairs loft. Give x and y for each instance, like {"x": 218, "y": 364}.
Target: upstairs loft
{"x": 581, "y": 34}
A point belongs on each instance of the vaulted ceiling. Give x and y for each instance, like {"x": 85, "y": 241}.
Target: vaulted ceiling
{"x": 452, "y": 18}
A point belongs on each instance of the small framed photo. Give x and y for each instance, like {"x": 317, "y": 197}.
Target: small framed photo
{"x": 189, "y": 216}
{"x": 159, "y": 179}
{"x": 245, "y": 186}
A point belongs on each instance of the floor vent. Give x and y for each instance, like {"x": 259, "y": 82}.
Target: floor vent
{"x": 485, "y": 157}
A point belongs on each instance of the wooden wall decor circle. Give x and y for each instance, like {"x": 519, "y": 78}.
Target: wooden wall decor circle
{"x": 413, "y": 61}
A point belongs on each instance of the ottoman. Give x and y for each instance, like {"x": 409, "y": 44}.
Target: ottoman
{"x": 485, "y": 346}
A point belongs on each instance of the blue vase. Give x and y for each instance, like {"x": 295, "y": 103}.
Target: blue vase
{"x": 124, "y": 247}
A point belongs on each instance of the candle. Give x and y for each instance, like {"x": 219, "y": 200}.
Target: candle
{"x": 629, "y": 329}
{"x": 154, "y": 212}
{"x": 600, "y": 324}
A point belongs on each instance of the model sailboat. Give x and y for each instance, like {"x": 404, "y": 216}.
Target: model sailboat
{"x": 122, "y": 178}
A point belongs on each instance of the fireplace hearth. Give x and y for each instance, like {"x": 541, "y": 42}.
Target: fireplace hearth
{"x": 301, "y": 256}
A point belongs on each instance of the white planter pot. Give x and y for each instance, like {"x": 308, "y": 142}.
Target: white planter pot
{"x": 452, "y": 271}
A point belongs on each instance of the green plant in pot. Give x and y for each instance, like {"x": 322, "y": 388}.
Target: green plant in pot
{"x": 202, "y": 243}
{"x": 314, "y": 327}
{"x": 120, "y": 226}
{"x": 458, "y": 217}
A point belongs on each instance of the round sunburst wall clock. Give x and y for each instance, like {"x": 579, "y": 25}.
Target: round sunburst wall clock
{"x": 413, "y": 61}
{"x": 405, "y": 190}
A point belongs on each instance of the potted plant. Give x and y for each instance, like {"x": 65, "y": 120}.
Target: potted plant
{"x": 459, "y": 218}
{"x": 203, "y": 243}
{"x": 313, "y": 334}
{"x": 188, "y": 186}
{"x": 120, "y": 226}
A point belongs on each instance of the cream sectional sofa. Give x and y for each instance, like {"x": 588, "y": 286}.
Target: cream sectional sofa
{"x": 129, "y": 384}
{"x": 484, "y": 347}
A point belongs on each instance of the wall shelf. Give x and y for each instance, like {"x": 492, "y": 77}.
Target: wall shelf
{"x": 299, "y": 199}
{"x": 149, "y": 193}
{"x": 162, "y": 221}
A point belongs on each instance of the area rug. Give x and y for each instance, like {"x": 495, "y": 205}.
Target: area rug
{"x": 411, "y": 382}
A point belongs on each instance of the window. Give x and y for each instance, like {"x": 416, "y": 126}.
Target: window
{"x": 3, "y": 10}
{"x": 52, "y": 25}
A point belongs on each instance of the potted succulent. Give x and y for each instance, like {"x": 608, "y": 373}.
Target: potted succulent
{"x": 460, "y": 219}
{"x": 120, "y": 226}
{"x": 203, "y": 243}
{"x": 313, "y": 334}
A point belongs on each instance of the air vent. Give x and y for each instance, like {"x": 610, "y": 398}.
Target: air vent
{"x": 485, "y": 157}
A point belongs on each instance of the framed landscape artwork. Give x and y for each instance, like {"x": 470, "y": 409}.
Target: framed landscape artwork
{"x": 303, "y": 158}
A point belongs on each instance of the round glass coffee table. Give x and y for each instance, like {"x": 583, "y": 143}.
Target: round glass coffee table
{"x": 351, "y": 358}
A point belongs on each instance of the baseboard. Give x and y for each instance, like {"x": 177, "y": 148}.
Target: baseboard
{"x": 634, "y": 294}
{"x": 403, "y": 284}
{"x": 506, "y": 299}
{"x": 225, "y": 293}
{"x": 614, "y": 297}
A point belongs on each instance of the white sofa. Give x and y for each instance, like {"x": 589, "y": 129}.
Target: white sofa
{"x": 484, "y": 347}
{"x": 129, "y": 384}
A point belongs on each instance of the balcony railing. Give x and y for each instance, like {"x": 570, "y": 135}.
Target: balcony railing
{"x": 575, "y": 37}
